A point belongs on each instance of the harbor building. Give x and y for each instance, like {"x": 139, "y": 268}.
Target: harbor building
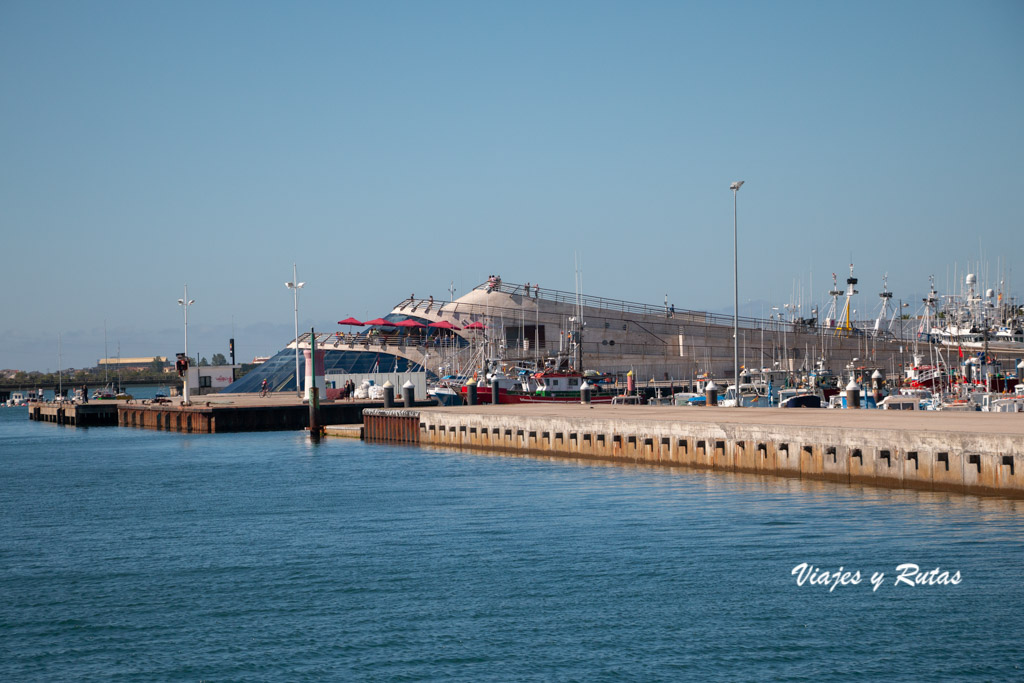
{"x": 501, "y": 324}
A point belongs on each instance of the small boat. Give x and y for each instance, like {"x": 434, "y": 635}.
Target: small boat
{"x": 803, "y": 398}
{"x": 445, "y": 395}
{"x": 107, "y": 393}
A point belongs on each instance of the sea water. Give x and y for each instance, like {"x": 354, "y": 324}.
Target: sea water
{"x": 138, "y": 555}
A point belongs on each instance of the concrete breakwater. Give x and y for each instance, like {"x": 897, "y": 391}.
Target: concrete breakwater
{"x": 977, "y": 453}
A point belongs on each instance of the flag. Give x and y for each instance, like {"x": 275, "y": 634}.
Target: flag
{"x": 961, "y": 352}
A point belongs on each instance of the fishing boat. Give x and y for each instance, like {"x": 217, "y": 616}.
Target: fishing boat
{"x": 546, "y": 386}
{"x": 802, "y": 397}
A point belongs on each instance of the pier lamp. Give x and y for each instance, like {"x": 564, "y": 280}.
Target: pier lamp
{"x": 735, "y": 187}
{"x": 295, "y": 286}
{"x": 185, "y": 303}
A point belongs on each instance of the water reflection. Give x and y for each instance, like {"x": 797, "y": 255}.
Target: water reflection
{"x": 926, "y": 504}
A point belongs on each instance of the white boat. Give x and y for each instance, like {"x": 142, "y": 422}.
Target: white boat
{"x": 752, "y": 395}
{"x": 900, "y": 402}
{"x": 1010, "y": 335}
{"x": 1002, "y": 403}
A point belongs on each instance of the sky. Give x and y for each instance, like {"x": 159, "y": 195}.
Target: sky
{"x": 390, "y": 148}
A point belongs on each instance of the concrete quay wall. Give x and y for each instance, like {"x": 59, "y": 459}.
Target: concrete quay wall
{"x": 981, "y": 460}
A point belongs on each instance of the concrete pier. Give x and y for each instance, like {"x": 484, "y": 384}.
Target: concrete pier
{"x": 96, "y": 414}
{"x": 206, "y": 415}
{"x": 240, "y": 414}
{"x": 977, "y": 453}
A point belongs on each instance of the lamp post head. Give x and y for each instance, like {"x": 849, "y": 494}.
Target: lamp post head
{"x": 292, "y": 285}
{"x": 737, "y": 185}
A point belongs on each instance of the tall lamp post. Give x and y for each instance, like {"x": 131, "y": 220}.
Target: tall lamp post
{"x": 735, "y": 187}
{"x": 185, "y": 303}
{"x": 295, "y": 286}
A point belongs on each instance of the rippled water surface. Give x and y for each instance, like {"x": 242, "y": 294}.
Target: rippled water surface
{"x": 137, "y": 555}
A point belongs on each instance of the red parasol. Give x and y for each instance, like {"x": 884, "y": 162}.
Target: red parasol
{"x": 408, "y": 323}
{"x": 444, "y": 325}
{"x": 475, "y": 326}
{"x": 350, "y": 321}
{"x": 380, "y": 321}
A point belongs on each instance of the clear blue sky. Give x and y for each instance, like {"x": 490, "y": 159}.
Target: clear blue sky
{"x": 392, "y": 147}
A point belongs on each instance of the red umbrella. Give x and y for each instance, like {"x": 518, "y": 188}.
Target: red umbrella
{"x": 475, "y": 326}
{"x": 350, "y": 321}
{"x": 444, "y": 325}
{"x": 408, "y": 323}
{"x": 380, "y": 321}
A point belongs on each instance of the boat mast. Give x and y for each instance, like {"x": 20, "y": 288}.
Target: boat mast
{"x": 886, "y": 296}
{"x": 845, "y": 323}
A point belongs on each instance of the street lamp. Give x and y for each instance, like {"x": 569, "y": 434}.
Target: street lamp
{"x": 735, "y": 187}
{"x": 185, "y": 303}
{"x": 295, "y": 286}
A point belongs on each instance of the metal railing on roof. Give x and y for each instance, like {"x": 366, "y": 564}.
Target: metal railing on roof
{"x": 619, "y": 305}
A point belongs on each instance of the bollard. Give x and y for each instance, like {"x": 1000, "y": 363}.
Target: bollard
{"x": 585, "y": 392}
{"x": 408, "y": 394}
{"x": 389, "y": 394}
{"x": 471, "y": 392}
{"x": 711, "y": 394}
{"x": 495, "y": 391}
{"x": 877, "y": 384}
{"x": 852, "y": 395}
